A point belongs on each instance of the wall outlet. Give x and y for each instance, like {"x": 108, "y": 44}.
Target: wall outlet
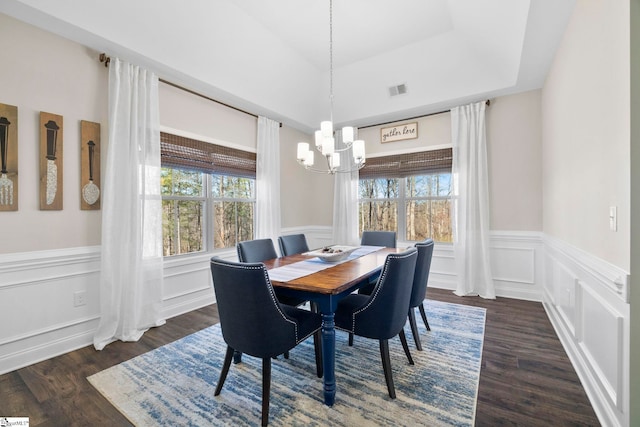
{"x": 79, "y": 298}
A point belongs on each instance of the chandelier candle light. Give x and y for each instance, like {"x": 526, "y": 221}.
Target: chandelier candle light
{"x": 324, "y": 138}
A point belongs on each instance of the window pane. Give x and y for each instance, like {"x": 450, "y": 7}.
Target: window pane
{"x": 380, "y": 188}
{"x": 176, "y": 182}
{"x": 378, "y": 216}
{"x": 182, "y": 226}
{"x": 232, "y": 187}
{"x": 418, "y": 223}
{"x": 443, "y": 185}
{"x": 441, "y": 221}
{"x": 418, "y": 186}
{"x": 428, "y": 218}
{"x": 429, "y": 185}
{"x": 233, "y": 222}
{"x": 169, "y": 225}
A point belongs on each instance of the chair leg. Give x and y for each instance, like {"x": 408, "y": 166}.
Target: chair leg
{"x": 225, "y": 370}
{"x": 424, "y": 316}
{"x": 414, "y": 329}
{"x": 237, "y": 357}
{"x": 350, "y": 339}
{"x": 266, "y": 389}
{"x": 286, "y": 354}
{"x": 386, "y": 366}
{"x": 317, "y": 346}
{"x": 405, "y": 346}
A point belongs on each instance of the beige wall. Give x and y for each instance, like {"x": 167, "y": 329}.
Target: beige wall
{"x": 190, "y": 113}
{"x": 41, "y": 72}
{"x": 585, "y": 133}
{"x": 514, "y": 156}
{"x": 306, "y": 198}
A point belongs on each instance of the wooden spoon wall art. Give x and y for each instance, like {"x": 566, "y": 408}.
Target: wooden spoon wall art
{"x": 90, "y": 165}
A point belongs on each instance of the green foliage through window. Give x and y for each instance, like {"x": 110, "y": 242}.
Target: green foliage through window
{"x": 204, "y": 212}
{"x": 417, "y": 207}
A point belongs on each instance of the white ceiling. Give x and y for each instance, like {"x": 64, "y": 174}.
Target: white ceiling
{"x": 271, "y": 57}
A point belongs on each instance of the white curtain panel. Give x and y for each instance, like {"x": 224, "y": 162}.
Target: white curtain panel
{"x": 268, "y": 180}
{"x": 470, "y": 201}
{"x": 131, "y": 271}
{"x": 345, "y": 198}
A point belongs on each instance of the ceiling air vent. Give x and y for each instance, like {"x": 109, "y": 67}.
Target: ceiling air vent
{"x": 398, "y": 90}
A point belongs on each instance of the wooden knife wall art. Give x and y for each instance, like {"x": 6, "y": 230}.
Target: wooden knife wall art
{"x": 51, "y": 149}
{"x": 9, "y": 157}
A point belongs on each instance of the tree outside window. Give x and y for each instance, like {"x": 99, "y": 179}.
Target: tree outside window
{"x": 417, "y": 206}
{"x": 186, "y": 199}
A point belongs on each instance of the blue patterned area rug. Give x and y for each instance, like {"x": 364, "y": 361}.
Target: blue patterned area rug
{"x": 174, "y": 384}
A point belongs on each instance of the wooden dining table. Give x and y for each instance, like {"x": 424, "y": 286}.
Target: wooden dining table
{"x": 326, "y": 288}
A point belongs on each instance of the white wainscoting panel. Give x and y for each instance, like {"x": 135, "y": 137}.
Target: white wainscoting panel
{"x": 516, "y": 263}
{"x": 37, "y": 293}
{"x": 586, "y": 300}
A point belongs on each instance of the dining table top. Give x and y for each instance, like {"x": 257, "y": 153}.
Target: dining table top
{"x": 336, "y": 279}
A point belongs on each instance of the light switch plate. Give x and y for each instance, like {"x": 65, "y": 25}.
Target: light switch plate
{"x": 613, "y": 218}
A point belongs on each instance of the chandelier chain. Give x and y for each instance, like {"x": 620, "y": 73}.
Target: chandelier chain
{"x": 331, "y": 58}
{"x": 325, "y": 137}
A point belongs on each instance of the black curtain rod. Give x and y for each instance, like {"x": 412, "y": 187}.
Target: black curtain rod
{"x": 193, "y": 92}
{"x": 413, "y": 118}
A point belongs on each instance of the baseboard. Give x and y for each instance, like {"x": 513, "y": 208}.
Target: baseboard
{"x": 38, "y": 346}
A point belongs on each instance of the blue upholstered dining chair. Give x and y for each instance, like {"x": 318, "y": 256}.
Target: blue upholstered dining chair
{"x": 293, "y": 244}
{"x": 259, "y": 250}
{"x": 378, "y": 238}
{"x": 419, "y": 291}
{"x": 254, "y": 322}
{"x": 382, "y": 314}
{"x": 374, "y": 238}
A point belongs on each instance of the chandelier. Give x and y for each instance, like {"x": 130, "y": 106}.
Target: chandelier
{"x": 325, "y": 139}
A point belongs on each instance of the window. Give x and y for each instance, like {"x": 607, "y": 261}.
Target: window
{"x": 408, "y": 193}
{"x": 208, "y": 195}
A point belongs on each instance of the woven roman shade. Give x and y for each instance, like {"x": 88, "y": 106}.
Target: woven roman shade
{"x": 403, "y": 165}
{"x": 186, "y": 153}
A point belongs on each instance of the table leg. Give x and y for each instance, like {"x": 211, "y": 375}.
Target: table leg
{"x": 328, "y": 357}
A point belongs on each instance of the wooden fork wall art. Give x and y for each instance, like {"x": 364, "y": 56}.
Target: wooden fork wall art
{"x": 89, "y": 165}
{"x": 9, "y": 158}
{"x": 51, "y": 143}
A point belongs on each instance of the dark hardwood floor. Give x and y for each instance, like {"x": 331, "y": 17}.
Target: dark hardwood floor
{"x": 526, "y": 377}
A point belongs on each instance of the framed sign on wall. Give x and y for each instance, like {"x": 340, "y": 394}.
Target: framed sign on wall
{"x": 399, "y": 132}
